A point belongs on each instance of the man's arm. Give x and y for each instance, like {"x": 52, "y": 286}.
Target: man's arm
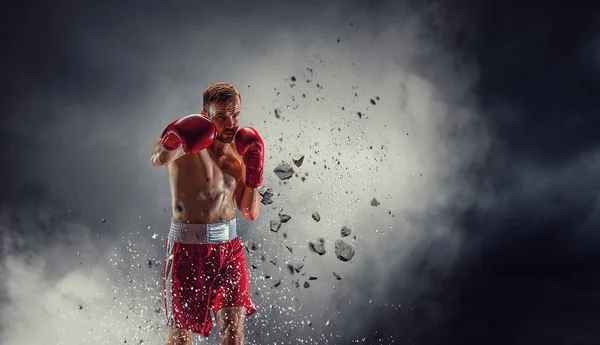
{"x": 162, "y": 157}
{"x": 247, "y": 199}
{"x": 250, "y": 146}
{"x": 187, "y": 135}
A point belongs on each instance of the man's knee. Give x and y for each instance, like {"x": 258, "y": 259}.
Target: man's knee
{"x": 231, "y": 325}
{"x": 232, "y": 330}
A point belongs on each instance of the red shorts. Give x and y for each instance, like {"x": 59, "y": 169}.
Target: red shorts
{"x": 201, "y": 277}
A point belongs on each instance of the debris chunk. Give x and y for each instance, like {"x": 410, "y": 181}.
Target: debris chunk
{"x": 266, "y": 193}
{"x": 375, "y": 202}
{"x": 346, "y": 231}
{"x": 316, "y": 216}
{"x": 343, "y": 250}
{"x": 337, "y": 276}
{"x": 275, "y": 225}
{"x": 284, "y": 171}
{"x": 284, "y": 218}
{"x": 318, "y": 248}
{"x": 298, "y": 267}
{"x": 306, "y": 285}
{"x": 298, "y": 160}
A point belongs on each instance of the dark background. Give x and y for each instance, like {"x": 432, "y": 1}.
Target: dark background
{"x": 528, "y": 269}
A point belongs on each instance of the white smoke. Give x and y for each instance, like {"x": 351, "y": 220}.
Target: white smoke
{"x": 409, "y": 150}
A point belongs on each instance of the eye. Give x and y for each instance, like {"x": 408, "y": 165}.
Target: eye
{"x": 236, "y": 115}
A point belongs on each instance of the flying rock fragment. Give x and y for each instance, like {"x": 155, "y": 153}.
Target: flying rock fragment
{"x": 318, "y": 248}
{"x": 298, "y": 267}
{"x": 284, "y": 171}
{"x": 298, "y": 160}
{"x": 249, "y": 245}
{"x": 284, "y": 218}
{"x": 337, "y": 276}
{"x": 316, "y": 216}
{"x": 266, "y": 193}
{"x": 306, "y": 285}
{"x": 275, "y": 225}
{"x": 375, "y": 202}
{"x": 346, "y": 231}
{"x": 343, "y": 250}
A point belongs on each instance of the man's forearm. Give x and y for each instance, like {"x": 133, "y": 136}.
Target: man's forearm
{"x": 163, "y": 157}
{"x": 250, "y": 203}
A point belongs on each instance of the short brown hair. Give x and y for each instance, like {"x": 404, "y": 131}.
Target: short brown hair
{"x": 219, "y": 92}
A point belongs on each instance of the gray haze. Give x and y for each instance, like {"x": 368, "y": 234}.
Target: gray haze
{"x": 89, "y": 161}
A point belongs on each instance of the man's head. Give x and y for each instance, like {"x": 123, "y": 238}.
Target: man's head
{"x": 222, "y": 104}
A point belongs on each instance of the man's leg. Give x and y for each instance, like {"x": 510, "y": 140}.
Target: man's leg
{"x": 231, "y": 325}
{"x": 180, "y": 337}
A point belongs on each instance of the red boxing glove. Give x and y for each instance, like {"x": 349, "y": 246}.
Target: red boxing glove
{"x": 251, "y": 147}
{"x": 194, "y": 132}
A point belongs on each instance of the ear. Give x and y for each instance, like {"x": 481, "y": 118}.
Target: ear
{"x": 204, "y": 113}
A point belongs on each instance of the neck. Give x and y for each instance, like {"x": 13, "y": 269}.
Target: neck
{"x": 219, "y": 147}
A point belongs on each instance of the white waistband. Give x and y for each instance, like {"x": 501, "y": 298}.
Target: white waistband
{"x": 191, "y": 233}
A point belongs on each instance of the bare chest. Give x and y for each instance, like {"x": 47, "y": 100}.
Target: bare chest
{"x": 221, "y": 171}
{"x": 206, "y": 175}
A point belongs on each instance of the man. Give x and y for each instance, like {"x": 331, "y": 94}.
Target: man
{"x": 211, "y": 165}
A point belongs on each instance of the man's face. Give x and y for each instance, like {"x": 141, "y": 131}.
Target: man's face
{"x": 226, "y": 118}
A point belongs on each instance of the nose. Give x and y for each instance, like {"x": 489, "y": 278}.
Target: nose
{"x": 230, "y": 122}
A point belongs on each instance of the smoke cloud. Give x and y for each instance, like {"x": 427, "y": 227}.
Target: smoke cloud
{"x": 370, "y": 96}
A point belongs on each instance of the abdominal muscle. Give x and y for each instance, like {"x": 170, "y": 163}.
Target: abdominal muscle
{"x": 200, "y": 190}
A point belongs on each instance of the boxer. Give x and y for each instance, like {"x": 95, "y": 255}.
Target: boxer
{"x": 212, "y": 165}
